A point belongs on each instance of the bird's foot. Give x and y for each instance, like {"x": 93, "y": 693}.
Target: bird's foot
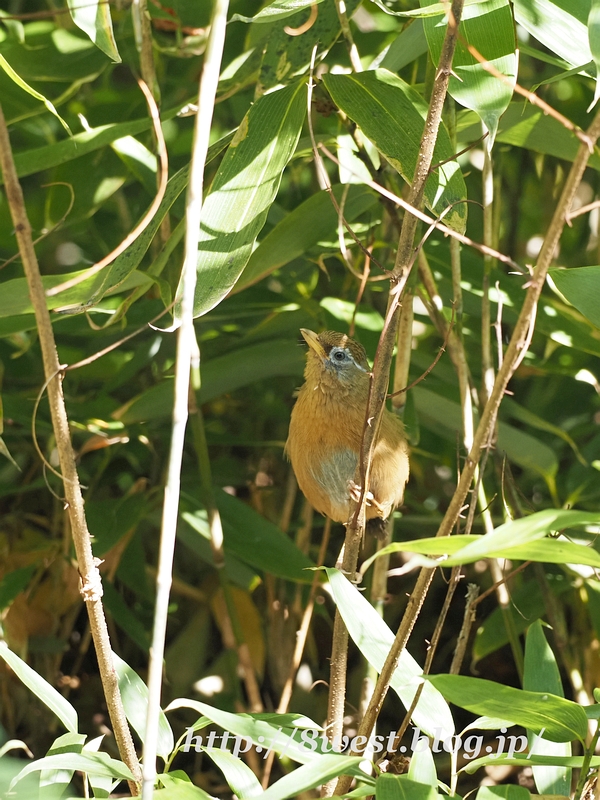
{"x": 355, "y": 492}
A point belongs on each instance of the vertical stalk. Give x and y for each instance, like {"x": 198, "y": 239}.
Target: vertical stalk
{"x": 377, "y": 397}
{"x": 142, "y": 31}
{"x": 216, "y": 539}
{"x": 487, "y": 366}
{"x": 340, "y": 7}
{"x": 91, "y": 582}
{"x": 185, "y": 348}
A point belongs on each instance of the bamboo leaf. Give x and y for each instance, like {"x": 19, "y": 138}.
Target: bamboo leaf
{"x": 541, "y": 674}
{"x": 244, "y": 187}
{"x": 489, "y": 28}
{"x": 14, "y": 76}
{"x": 554, "y": 717}
{"x": 311, "y": 222}
{"x": 581, "y": 287}
{"x": 392, "y": 115}
{"x": 560, "y": 26}
{"x": 93, "y": 18}
{"x": 373, "y": 638}
{"x": 58, "y": 704}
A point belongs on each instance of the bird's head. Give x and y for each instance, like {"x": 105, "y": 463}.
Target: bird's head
{"x": 335, "y": 357}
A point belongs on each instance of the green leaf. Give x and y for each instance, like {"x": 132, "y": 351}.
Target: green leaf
{"x": 253, "y": 539}
{"x": 284, "y": 56}
{"x": 526, "y": 126}
{"x": 13, "y": 583}
{"x": 309, "y": 776}
{"x": 489, "y": 28}
{"x": 93, "y": 763}
{"x": 527, "y": 759}
{"x": 176, "y": 788}
{"x": 527, "y": 605}
{"x": 14, "y": 76}
{"x": 196, "y": 536}
{"x": 560, "y": 26}
{"x": 520, "y": 447}
{"x": 514, "y": 410}
{"x": 93, "y": 18}
{"x": 219, "y": 376}
{"x": 283, "y": 738}
{"x": 309, "y": 223}
{"x": 405, "y": 48}
{"x": 236, "y": 206}
{"x": 541, "y": 674}
{"x": 41, "y": 688}
{"x": 593, "y": 25}
{"x": 422, "y": 766}
{"x": 373, "y": 638}
{"x": 401, "y": 787}
{"x": 504, "y": 792}
{"x": 240, "y": 778}
{"x": 560, "y": 720}
{"x": 14, "y": 298}
{"x": 134, "y": 694}
{"x": 433, "y": 10}
{"x": 515, "y": 539}
{"x": 581, "y": 287}
{"x": 124, "y": 617}
{"x": 392, "y": 115}
{"x": 279, "y": 9}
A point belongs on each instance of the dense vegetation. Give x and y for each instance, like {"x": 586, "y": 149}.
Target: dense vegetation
{"x": 277, "y": 253}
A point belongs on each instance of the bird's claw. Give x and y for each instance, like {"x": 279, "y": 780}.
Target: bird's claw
{"x": 355, "y": 493}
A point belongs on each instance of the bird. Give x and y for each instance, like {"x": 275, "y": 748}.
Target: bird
{"x": 326, "y": 429}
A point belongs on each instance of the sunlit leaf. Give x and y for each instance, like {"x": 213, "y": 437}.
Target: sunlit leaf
{"x": 392, "y": 115}
{"x": 489, "y": 28}
{"x": 93, "y": 17}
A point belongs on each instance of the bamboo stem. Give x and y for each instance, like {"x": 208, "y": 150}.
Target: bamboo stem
{"x": 185, "y": 348}
{"x": 91, "y": 582}
{"x": 405, "y": 258}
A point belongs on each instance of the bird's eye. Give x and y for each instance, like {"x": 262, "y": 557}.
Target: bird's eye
{"x": 339, "y": 355}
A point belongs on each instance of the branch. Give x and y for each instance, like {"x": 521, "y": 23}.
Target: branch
{"x": 91, "y": 582}
{"x": 429, "y": 220}
{"x": 378, "y": 390}
{"x": 512, "y": 358}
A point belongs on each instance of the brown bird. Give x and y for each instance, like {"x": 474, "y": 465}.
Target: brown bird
{"x": 326, "y": 431}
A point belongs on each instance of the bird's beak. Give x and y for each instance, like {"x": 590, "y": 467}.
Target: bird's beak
{"x": 312, "y": 340}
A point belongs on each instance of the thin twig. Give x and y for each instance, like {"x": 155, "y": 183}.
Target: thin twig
{"x": 324, "y": 177}
{"x": 455, "y": 577}
{"x": 422, "y": 377}
{"x": 185, "y": 344}
{"x": 583, "y": 210}
{"x": 306, "y": 26}
{"x": 460, "y": 153}
{"x": 56, "y": 225}
{"x": 91, "y": 582}
{"x": 425, "y": 218}
{"x": 301, "y": 636}
{"x": 143, "y": 41}
{"x": 148, "y": 216}
{"x": 533, "y": 98}
{"x": 463, "y": 636}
